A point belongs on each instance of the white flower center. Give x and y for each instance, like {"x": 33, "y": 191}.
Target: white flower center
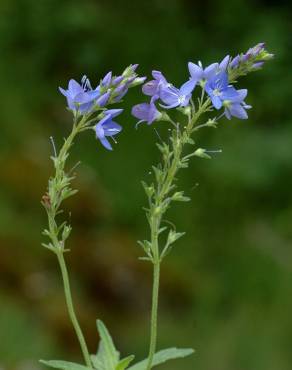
{"x": 216, "y": 92}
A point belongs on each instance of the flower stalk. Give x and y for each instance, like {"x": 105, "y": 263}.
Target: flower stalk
{"x": 90, "y": 111}
{"x": 172, "y": 161}
{"x": 58, "y": 190}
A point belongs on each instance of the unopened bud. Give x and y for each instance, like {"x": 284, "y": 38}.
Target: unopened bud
{"x": 137, "y": 81}
{"x": 130, "y": 70}
{"x": 201, "y": 153}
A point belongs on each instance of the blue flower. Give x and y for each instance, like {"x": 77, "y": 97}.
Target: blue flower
{"x": 80, "y": 98}
{"x": 106, "y": 127}
{"x": 174, "y": 97}
{"x": 153, "y": 87}
{"x": 146, "y": 112}
{"x": 218, "y": 89}
{"x": 201, "y": 75}
{"x": 198, "y": 73}
{"x": 235, "y": 106}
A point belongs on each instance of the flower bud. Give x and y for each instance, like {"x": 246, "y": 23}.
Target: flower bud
{"x": 201, "y": 153}
{"x": 106, "y": 80}
{"x": 264, "y": 55}
{"x": 130, "y": 70}
{"x": 103, "y": 99}
{"x": 137, "y": 81}
{"x": 117, "y": 80}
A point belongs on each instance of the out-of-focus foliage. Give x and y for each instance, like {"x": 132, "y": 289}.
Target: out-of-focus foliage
{"x": 226, "y": 288}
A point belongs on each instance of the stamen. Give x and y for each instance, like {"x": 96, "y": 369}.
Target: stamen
{"x": 85, "y": 83}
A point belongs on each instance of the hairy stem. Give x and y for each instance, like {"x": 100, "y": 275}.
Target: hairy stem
{"x": 58, "y": 185}
{"x": 71, "y": 311}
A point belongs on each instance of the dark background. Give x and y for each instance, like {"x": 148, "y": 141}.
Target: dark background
{"x": 227, "y": 286}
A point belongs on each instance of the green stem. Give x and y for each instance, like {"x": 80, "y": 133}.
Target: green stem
{"x": 57, "y": 185}
{"x": 154, "y": 313}
{"x": 156, "y": 217}
{"x": 71, "y": 310}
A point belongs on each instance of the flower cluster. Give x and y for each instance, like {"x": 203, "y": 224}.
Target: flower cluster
{"x": 253, "y": 59}
{"x": 215, "y": 80}
{"x": 83, "y": 100}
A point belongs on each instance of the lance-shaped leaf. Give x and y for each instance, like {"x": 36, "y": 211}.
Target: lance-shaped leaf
{"x": 163, "y": 356}
{"x": 107, "y": 357}
{"x": 146, "y": 245}
{"x": 64, "y": 365}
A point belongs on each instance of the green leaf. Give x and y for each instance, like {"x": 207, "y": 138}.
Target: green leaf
{"x": 107, "y": 357}
{"x": 145, "y": 258}
{"x": 158, "y": 174}
{"x": 190, "y": 141}
{"x": 146, "y": 245}
{"x": 97, "y": 364}
{"x": 162, "y": 229}
{"x": 149, "y": 189}
{"x": 163, "y": 356}
{"x": 124, "y": 363}
{"x": 64, "y": 365}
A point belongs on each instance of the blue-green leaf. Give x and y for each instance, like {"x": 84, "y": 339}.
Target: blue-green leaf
{"x": 163, "y": 356}
{"x": 64, "y": 365}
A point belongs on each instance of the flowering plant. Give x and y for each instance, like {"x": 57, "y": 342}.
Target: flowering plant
{"x": 90, "y": 111}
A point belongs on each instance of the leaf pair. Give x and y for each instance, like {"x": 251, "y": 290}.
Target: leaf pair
{"x": 108, "y": 358}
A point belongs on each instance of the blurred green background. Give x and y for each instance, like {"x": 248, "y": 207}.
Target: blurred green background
{"x": 227, "y": 286}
